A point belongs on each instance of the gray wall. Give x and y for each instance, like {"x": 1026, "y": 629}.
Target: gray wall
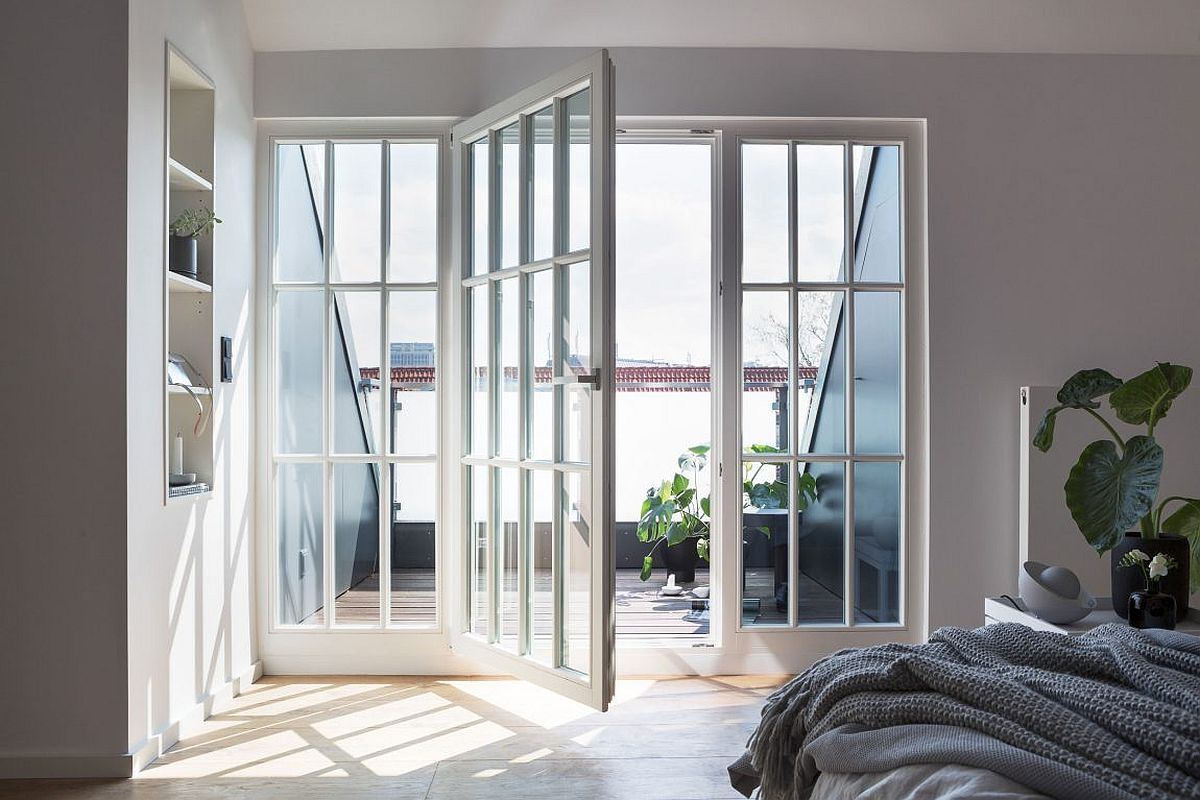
{"x": 1062, "y": 220}
{"x": 62, "y": 379}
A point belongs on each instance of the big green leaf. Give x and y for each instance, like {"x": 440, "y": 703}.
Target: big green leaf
{"x": 1146, "y": 399}
{"x": 1186, "y": 523}
{"x": 702, "y": 547}
{"x": 647, "y": 567}
{"x": 676, "y": 533}
{"x": 1108, "y": 493}
{"x": 1043, "y": 437}
{"x": 1083, "y": 388}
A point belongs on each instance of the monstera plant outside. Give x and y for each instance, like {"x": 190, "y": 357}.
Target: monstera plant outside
{"x": 1114, "y": 484}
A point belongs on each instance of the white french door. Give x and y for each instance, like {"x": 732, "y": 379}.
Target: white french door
{"x": 533, "y": 544}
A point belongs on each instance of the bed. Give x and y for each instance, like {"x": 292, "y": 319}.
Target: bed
{"x": 1002, "y": 712}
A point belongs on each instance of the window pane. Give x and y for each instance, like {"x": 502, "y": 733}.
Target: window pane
{"x": 579, "y": 169}
{"x": 300, "y": 492}
{"x": 877, "y": 214}
{"x": 543, "y": 514}
{"x": 300, "y": 211}
{"x": 477, "y": 547}
{"x": 764, "y": 212}
{"x": 821, "y": 373}
{"x": 355, "y": 545}
{"x": 354, "y": 372}
{"x": 299, "y": 339}
{"x": 877, "y": 380}
{"x": 414, "y": 543}
{"x": 509, "y": 542}
{"x": 412, "y": 337}
{"x": 413, "y": 244}
{"x": 877, "y": 542}
{"x": 542, "y": 358}
{"x": 820, "y": 211}
{"x": 510, "y": 196}
{"x": 479, "y": 378}
{"x": 357, "y": 199}
{"x": 764, "y": 544}
{"x": 577, "y": 561}
{"x": 822, "y": 543}
{"x": 765, "y": 347}
{"x": 479, "y": 208}
{"x": 541, "y": 182}
{"x": 577, "y": 326}
{"x": 577, "y": 425}
{"x": 510, "y": 366}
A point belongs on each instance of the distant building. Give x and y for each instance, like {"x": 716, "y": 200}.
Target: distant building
{"x": 413, "y": 354}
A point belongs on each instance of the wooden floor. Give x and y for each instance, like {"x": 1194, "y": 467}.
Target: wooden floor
{"x": 643, "y": 612}
{"x": 449, "y": 739}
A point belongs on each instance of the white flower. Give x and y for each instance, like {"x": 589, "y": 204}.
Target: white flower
{"x": 1139, "y": 555}
{"x": 1159, "y": 566}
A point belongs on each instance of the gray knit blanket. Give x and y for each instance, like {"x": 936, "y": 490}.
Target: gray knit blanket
{"x": 1114, "y": 713}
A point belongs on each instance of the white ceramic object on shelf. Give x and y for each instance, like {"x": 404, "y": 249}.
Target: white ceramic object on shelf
{"x": 1054, "y": 593}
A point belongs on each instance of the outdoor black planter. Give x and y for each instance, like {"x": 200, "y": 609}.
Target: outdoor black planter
{"x": 682, "y": 560}
{"x": 182, "y": 255}
{"x": 1125, "y": 581}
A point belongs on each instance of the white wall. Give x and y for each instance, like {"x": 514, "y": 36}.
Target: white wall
{"x": 62, "y": 391}
{"x": 1062, "y": 220}
{"x": 190, "y": 596}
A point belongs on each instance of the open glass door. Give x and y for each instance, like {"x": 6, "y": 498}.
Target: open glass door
{"x": 534, "y": 236}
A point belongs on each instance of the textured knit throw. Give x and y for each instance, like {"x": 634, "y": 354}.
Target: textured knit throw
{"x": 1112, "y": 705}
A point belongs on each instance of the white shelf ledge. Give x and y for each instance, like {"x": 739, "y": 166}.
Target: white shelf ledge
{"x": 182, "y": 283}
{"x": 182, "y": 178}
{"x": 173, "y": 388}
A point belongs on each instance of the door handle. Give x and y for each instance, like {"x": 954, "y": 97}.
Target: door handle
{"x": 591, "y": 379}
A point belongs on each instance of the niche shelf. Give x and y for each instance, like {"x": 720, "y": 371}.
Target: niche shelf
{"x": 188, "y": 174}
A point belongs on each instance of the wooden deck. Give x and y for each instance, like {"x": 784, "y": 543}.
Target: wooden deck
{"x": 643, "y": 612}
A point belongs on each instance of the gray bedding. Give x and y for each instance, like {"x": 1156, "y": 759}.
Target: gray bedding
{"x": 1111, "y": 714}
{"x": 921, "y": 782}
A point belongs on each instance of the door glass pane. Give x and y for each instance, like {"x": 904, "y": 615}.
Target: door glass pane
{"x": 577, "y": 324}
{"x": 354, "y": 373}
{"x": 877, "y": 241}
{"x": 412, "y": 337}
{"x": 820, "y": 211}
{"x": 510, "y": 196}
{"x": 764, "y": 213}
{"x": 877, "y": 372}
{"x": 510, "y": 366}
{"x": 577, "y": 562}
{"x": 300, "y": 523}
{"x": 299, "y": 212}
{"x": 479, "y": 207}
{"x": 577, "y": 424}
{"x": 542, "y": 514}
{"x": 541, "y": 343}
{"x": 413, "y": 245}
{"x": 821, "y": 373}
{"x": 765, "y": 391}
{"x": 357, "y": 193}
{"x": 299, "y": 339}
{"x": 877, "y": 542}
{"x": 509, "y": 542}
{"x": 477, "y": 547}
{"x": 479, "y": 376}
{"x": 541, "y": 183}
{"x": 822, "y": 542}
{"x": 355, "y": 545}
{"x": 764, "y": 543}
{"x": 414, "y": 543}
{"x": 579, "y": 169}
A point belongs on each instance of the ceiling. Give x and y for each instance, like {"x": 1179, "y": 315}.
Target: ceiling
{"x": 1033, "y": 26}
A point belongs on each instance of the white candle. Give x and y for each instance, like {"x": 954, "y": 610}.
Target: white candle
{"x": 177, "y": 455}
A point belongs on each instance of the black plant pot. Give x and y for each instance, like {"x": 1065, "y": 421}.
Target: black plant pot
{"x": 682, "y": 560}
{"x": 182, "y": 255}
{"x": 1127, "y": 580}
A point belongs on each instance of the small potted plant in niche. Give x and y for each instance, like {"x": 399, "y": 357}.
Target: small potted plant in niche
{"x": 188, "y": 227}
{"x": 676, "y": 514}
{"x": 1149, "y": 607}
{"x": 1114, "y": 484}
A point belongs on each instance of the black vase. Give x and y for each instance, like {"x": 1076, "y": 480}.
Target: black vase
{"x": 682, "y": 559}
{"x": 1150, "y": 608}
{"x": 1127, "y": 580}
{"x": 182, "y": 255}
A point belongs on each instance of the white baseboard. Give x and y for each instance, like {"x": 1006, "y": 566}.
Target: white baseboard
{"x": 157, "y": 744}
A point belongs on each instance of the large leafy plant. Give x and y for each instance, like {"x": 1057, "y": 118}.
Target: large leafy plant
{"x": 674, "y": 511}
{"x": 1114, "y": 484}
